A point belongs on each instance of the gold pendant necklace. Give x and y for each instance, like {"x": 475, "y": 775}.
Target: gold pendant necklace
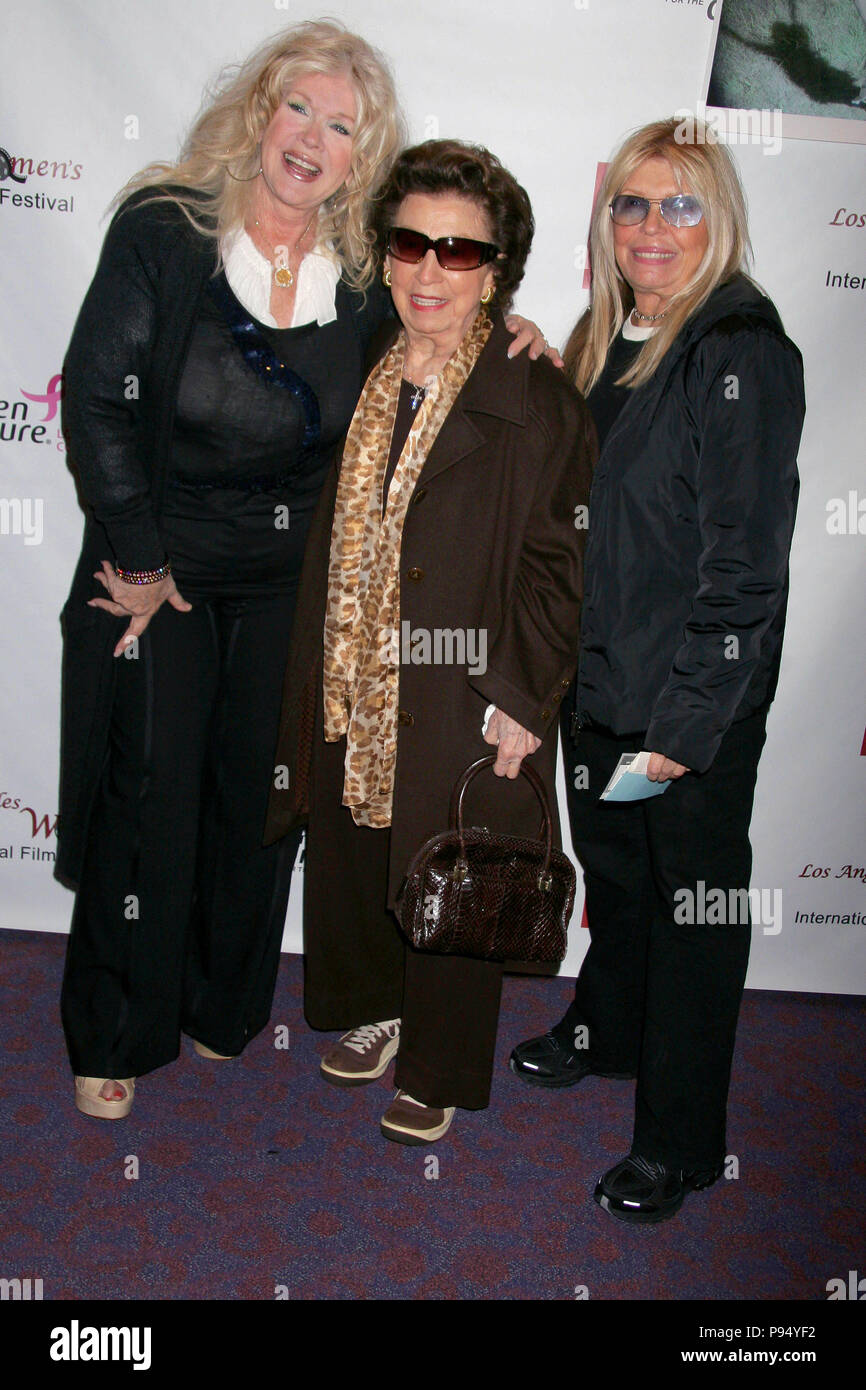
{"x": 283, "y": 275}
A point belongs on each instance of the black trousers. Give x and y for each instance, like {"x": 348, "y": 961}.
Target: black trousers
{"x": 359, "y": 968}
{"x": 179, "y": 915}
{"x": 659, "y": 996}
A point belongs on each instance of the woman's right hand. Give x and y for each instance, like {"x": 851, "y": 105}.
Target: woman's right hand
{"x": 662, "y": 769}
{"x": 513, "y": 742}
{"x": 138, "y": 601}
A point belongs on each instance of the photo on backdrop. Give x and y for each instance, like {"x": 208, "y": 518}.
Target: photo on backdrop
{"x": 805, "y": 59}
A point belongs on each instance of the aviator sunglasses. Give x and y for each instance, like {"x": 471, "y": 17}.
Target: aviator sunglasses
{"x": 627, "y": 210}
{"x": 452, "y": 252}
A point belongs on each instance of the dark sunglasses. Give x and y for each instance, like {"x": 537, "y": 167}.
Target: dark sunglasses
{"x": 452, "y": 252}
{"x": 679, "y": 211}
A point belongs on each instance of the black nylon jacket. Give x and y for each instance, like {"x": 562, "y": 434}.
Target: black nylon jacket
{"x": 690, "y": 523}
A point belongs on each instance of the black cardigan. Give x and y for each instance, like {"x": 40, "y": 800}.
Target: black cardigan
{"x": 121, "y": 375}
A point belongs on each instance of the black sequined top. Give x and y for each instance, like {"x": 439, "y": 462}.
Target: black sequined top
{"x": 259, "y": 413}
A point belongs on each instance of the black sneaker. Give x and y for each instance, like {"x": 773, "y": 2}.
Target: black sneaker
{"x": 547, "y": 1061}
{"x": 640, "y": 1191}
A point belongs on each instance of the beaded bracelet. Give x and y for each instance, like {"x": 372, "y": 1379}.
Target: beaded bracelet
{"x": 143, "y": 576}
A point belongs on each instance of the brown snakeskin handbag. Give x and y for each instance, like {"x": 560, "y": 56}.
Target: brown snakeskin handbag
{"x": 470, "y": 892}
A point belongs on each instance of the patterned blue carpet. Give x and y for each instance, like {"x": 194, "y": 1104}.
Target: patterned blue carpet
{"x": 251, "y": 1180}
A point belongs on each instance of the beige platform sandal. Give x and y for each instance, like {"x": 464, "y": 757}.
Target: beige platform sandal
{"x": 90, "y": 1101}
{"x": 204, "y": 1051}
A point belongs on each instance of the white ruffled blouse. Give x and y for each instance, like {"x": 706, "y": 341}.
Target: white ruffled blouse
{"x": 250, "y": 275}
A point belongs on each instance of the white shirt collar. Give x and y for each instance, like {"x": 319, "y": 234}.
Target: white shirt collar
{"x": 249, "y": 274}
{"x": 635, "y": 333}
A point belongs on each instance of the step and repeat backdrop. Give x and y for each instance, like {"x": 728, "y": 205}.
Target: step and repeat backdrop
{"x": 98, "y": 89}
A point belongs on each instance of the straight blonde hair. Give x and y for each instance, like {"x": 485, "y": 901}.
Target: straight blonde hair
{"x": 219, "y": 162}
{"x": 707, "y": 170}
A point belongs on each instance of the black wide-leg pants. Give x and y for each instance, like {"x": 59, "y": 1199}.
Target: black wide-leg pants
{"x": 359, "y": 968}
{"x": 179, "y": 915}
{"x": 659, "y": 996}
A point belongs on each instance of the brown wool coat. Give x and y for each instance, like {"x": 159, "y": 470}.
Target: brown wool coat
{"x": 489, "y": 543}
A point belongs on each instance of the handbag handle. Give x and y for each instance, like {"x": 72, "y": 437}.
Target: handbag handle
{"x": 455, "y": 812}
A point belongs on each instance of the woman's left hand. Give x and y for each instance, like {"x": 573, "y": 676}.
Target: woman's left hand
{"x": 514, "y": 742}
{"x": 662, "y": 769}
{"x": 528, "y": 334}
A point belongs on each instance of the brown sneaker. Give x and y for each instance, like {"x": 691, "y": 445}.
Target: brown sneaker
{"x": 362, "y": 1055}
{"x": 409, "y": 1121}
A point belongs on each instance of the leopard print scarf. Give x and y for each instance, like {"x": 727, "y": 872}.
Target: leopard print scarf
{"x": 362, "y": 619}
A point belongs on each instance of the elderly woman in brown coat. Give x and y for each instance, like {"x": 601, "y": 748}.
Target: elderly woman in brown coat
{"x": 450, "y": 604}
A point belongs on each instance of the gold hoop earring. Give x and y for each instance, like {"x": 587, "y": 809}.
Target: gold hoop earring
{"x": 487, "y": 295}
{"x": 386, "y": 279}
{"x": 239, "y": 178}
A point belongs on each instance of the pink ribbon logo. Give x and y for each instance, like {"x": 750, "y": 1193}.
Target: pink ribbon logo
{"x": 51, "y": 397}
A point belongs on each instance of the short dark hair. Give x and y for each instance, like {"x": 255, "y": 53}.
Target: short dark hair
{"x": 470, "y": 171}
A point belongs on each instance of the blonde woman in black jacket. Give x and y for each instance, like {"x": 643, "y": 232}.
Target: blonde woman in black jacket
{"x": 697, "y": 395}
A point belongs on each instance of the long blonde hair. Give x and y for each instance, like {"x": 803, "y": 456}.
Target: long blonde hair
{"x": 218, "y": 164}
{"x": 708, "y": 171}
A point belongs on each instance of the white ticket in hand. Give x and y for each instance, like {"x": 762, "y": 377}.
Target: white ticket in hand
{"x": 630, "y": 782}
